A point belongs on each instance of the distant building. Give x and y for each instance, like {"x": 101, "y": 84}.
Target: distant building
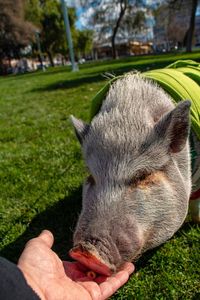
{"x": 123, "y": 48}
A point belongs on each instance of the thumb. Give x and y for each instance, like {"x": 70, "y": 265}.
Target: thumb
{"x": 47, "y": 237}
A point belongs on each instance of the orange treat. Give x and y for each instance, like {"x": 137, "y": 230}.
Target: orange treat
{"x": 91, "y": 274}
{"x": 90, "y": 261}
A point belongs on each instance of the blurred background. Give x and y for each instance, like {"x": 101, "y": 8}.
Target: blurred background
{"x": 33, "y": 32}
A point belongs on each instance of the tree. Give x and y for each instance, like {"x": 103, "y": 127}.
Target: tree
{"x": 33, "y": 11}
{"x": 52, "y": 25}
{"x": 190, "y": 31}
{"x": 123, "y": 8}
{"x": 192, "y": 8}
{"x": 83, "y": 44}
{"x": 173, "y": 23}
{"x": 110, "y": 17}
{"x": 48, "y": 17}
{"x": 131, "y": 26}
{"x": 15, "y": 31}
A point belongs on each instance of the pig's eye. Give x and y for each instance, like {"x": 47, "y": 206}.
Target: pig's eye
{"x": 137, "y": 178}
{"x": 142, "y": 177}
{"x": 90, "y": 180}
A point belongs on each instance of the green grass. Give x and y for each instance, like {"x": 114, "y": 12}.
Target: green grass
{"x": 42, "y": 170}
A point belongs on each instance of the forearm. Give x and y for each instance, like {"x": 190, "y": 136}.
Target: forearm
{"x": 13, "y": 284}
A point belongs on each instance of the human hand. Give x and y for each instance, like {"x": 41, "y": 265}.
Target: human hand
{"x": 53, "y": 279}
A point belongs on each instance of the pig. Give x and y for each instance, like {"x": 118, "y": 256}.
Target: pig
{"x": 137, "y": 153}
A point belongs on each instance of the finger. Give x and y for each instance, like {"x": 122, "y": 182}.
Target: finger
{"x": 47, "y": 237}
{"x": 129, "y": 267}
{"x": 112, "y": 284}
{"x": 83, "y": 279}
{"x": 93, "y": 289}
{"x": 98, "y": 280}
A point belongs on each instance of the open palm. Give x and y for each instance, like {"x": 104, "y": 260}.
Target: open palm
{"x": 56, "y": 280}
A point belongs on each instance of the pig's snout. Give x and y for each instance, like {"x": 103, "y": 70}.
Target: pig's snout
{"x": 105, "y": 247}
{"x": 98, "y": 257}
{"x": 91, "y": 261}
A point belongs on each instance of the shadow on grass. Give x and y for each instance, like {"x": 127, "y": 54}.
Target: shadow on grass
{"x": 60, "y": 219}
{"x": 93, "y": 77}
{"x": 71, "y": 83}
{"x": 93, "y": 64}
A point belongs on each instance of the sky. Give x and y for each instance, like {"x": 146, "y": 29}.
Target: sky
{"x": 81, "y": 19}
{"x": 84, "y": 15}
{"x": 81, "y": 22}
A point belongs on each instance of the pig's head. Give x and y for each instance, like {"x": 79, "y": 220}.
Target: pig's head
{"x": 130, "y": 197}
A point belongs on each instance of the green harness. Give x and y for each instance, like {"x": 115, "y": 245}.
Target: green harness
{"x": 181, "y": 80}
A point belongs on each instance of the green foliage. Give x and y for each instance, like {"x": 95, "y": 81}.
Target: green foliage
{"x": 133, "y": 21}
{"x": 139, "y": 20}
{"x": 53, "y": 32}
{"x": 48, "y": 17}
{"x": 33, "y": 11}
{"x": 15, "y": 31}
{"x": 84, "y": 42}
{"x": 42, "y": 171}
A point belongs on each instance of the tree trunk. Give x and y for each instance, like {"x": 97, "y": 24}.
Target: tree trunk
{"x": 50, "y": 58}
{"x": 122, "y": 12}
{"x": 1, "y": 66}
{"x": 63, "y": 60}
{"x": 40, "y": 59}
{"x": 190, "y": 32}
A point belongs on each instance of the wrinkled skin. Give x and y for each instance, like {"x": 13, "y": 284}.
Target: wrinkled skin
{"x": 136, "y": 149}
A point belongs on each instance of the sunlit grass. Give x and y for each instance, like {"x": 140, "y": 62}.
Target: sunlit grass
{"x": 42, "y": 170}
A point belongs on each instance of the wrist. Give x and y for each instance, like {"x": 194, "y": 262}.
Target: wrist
{"x": 33, "y": 285}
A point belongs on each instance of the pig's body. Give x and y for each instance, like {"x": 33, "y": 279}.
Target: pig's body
{"x": 137, "y": 151}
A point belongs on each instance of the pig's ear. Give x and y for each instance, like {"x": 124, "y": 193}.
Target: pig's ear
{"x": 81, "y": 128}
{"x": 174, "y": 127}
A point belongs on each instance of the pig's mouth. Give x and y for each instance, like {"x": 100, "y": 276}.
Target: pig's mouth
{"x": 91, "y": 260}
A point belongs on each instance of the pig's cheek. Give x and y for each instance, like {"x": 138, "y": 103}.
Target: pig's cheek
{"x": 88, "y": 194}
{"x": 86, "y": 188}
{"x": 84, "y": 191}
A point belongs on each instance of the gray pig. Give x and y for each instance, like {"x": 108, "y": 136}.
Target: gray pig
{"x": 136, "y": 149}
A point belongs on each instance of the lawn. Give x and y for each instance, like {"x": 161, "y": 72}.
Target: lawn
{"x": 42, "y": 170}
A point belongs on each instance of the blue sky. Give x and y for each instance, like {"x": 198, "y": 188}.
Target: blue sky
{"x": 198, "y": 11}
{"x": 81, "y": 20}
{"x": 79, "y": 11}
